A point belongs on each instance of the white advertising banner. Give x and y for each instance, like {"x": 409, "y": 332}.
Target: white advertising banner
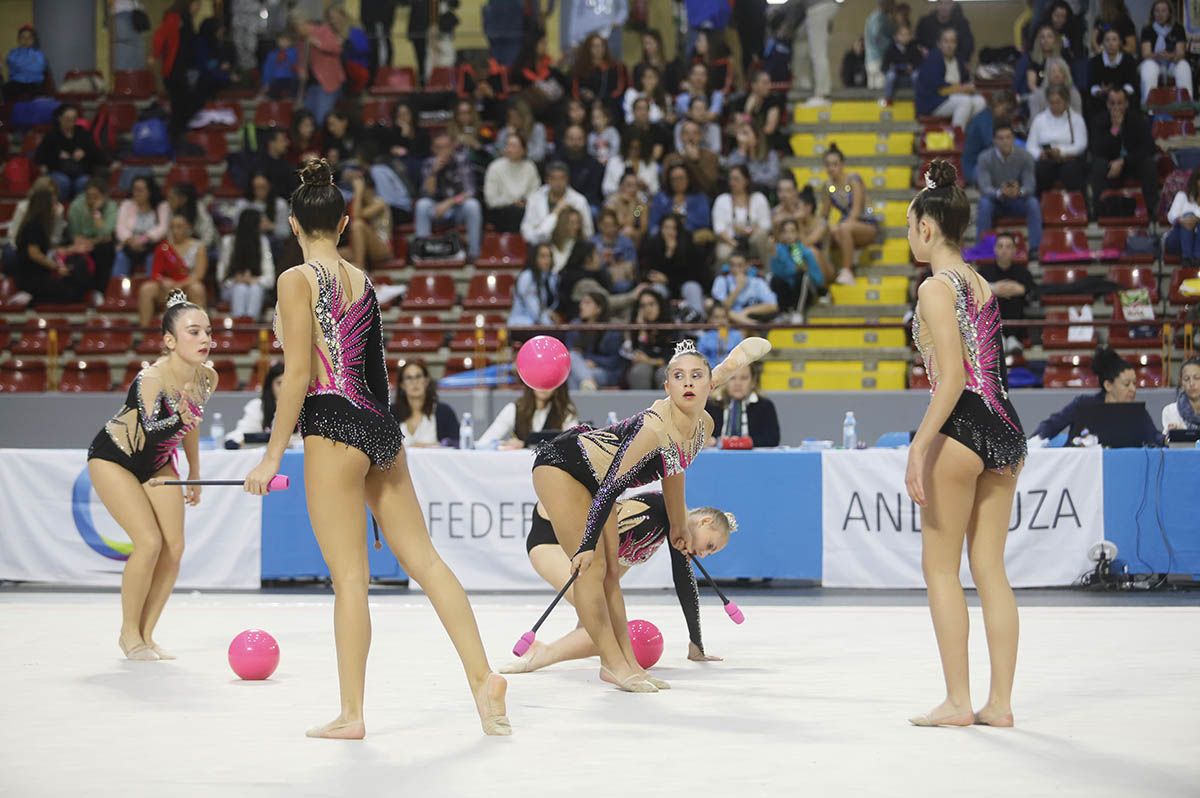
{"x": 872, "y": 530}
{"x": 53, "y": 527}
{"x": 479, "y": 509}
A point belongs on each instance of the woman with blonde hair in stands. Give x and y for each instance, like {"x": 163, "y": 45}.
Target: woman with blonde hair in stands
{"x": 1057, "y": 73}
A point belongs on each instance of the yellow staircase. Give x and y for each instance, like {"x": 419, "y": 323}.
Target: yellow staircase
{"x": 835, "y": 375}
{"x": 853, "y": 145}
{"x": 854, "y": 112}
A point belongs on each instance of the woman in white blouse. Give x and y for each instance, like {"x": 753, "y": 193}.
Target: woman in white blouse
{"x": 427, "y": 422}
{"x": 1057, "y": 140}
{"x": 633, "y": 158}
{"x": 535, "y": 411}
{"x": 652, "y": 89}
{"x": 1184, "y": 215}
{"x": 741, "y": 216}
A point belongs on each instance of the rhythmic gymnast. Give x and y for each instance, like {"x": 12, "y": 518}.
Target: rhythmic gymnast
{"x": 965, "y": 456}
{"x": 335, "y": 384}
{"x": 580, "y": 474}
{"x": 163, "y": 408}
{"x": 642, "y": 523}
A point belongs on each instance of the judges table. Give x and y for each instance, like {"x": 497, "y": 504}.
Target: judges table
{"x": 477, "y": 505}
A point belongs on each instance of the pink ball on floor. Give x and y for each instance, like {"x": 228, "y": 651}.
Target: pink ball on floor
{"x": 647, "y": 642}
{"x": 543, "y": 363}
{"x": 254, "y": 655}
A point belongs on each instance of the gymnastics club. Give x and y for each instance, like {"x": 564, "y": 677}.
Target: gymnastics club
{"x": 278, "y": 482}
{"x": 527, "y": 639}
{"x": 731, "y": 609}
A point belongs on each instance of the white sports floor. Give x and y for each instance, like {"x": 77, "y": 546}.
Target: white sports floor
{"x": 811, "y": 701}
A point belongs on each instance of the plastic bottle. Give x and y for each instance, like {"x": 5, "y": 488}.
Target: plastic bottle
{"x": 466, "y": 432}
{"x": 216, "y": 431}
{"x": 612, "y": 418}
{"x": 849, "y": 431}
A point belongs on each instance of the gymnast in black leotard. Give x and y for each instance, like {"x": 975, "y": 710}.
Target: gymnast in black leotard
{"x": 642, "y": 523}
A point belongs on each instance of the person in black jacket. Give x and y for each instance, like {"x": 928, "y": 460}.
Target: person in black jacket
{"x": 1121, "y": 148}
{"x": 426, "y": 421}
{"x": 743, "y": 412}
{"x": 1118, "y": 383}
{"x": 1012, "y": 285}
{"x": 68, "y": 153}
{"x": 1111, "y": 69}
{"x": 948, "y": 14}
{"x": 586, "y": 173}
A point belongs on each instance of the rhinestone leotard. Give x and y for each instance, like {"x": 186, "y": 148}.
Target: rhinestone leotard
{"x": 983, "y": 419}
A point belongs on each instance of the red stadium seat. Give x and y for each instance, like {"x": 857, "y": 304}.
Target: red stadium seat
{"x": 1136, "y": 277}
{"x": 1149, "y": 370}
{"x": 441, "y": 79}
{"x": 1056, "y": 333}
{"x": 1140, "y": 215}
{"x": 394, "y": 81}
{"x": 1132, "y": 335}
{"x": 1175, "y": 293}
{"x": 413, "y": 338}
{"x": 131, "y": 371}
{"x": 489, "y": 324}
{"x": 430, "y": 292}
{"x": 196, "y": 175}
{"x": 17, "y": 176}
{"x": 489, "y": 292}
{"x": 212, "y": 145}
{"x": 274, "y": 113}
{"x": 152, "y": 341}
{"x": 457, "y": 365}
{"x": 136, "y": 84}
{"x": 1065, "y": 246}
{"x": 35, "y": 335}
{"x": 1113, "y": 245}
{"x": 1064, "y": 209}
{"x": 918, "y": 378}
{"x": 1064, "y": 275}
{"x": 1166, "y": 128}
{"x": 1162, "y": 96}
{"x": 227, "y": 341}
{"x": 227, "y": 188}
{"x": 227, "y": 378}
{"x": 501, "y": 251}
{"x": 9, "y": 303}
{"x": 1064, "y": 376}
{"x": 122, "y": 116}
{"x": 99, "y": 339}
{"x": 377, "y": 113}
{"x": 80, "y": 376}
{"x": 22, "y": 376}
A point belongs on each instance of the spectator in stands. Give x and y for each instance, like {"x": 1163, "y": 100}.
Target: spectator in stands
{"x": 596, "y": 74}
{"x": 1184, "y": 412}
{"x": 273, "y": 162}
{"x": 628, "y": 201}
{"x": 718, "y": 341}
{"x": 544, "y": 206}
{"x": 1001, "y": 108}
{"x": 710, "y": 132}
{"x": 403, "y": 145}
{"x": 652, "y": 57}
{"x": 371, "y": 223}
{"x": 656, "y": 137}
{"x": 534, "y": 411}
{"x": 427, "y": 422}
{"x": 617, "y": 252}
{"x": 465, "y": 130}
{"x": 900, "y": 63}
{"x": 586, "y": 172}
{"x": 649, "y": 86}
{"x": 709, "y": 48}
{"x": 324, "y": 74}
{"x": 1057, "y": 73}
{"x": 535, "y": 296}
{"x": 947, "y": 15}
{"x": 1069, "y": 28}
{"x": 246, "y": 269}
{"x": 765, "y": 110}
{"x": 448, "y": 194}
{"x": 182, "y": 198}
{"x": 649, "y": 350}
{"x": 1012, "y": 285}
{"x": 272, "y": 209}
{"x": 1111, "y": 68}
{"x": 215, "y": 58}
{"x": 1183, "y": 238}
{"x": 259, "y": 413}
{"x": 306, "y": 140}
{"x": 635, "y": 158}
{"x": 519, "y": 119}
{"x": 856, "y": 227}
{"x": 1115, "y": 16}
{"x": 179, "y": 262}
{"x": 1118, "y": 383}
{"x": 877, "y": 36}
{"x": 342, "y": 141}
{"x": 752, "y": 153}
{"x": 49, "y": 274}
{"x": 356, "y": 47}
{"x": 944, "y": 88}
{"x": 92, "y": 223}
{"x": 739, "y": 411}
{"x": 1121, "y": 149}
{"x": 814, "y": 32}
{"x": 1008, "y": 185}
{"x": 697, "y": 85}
{"x": 679, "y": 198}
{"x": 703, "y": 165}
{"x": 567, "y": 233}
{"x": 1057, "y": 141}
{"x": 741, "y": 219}
{"x": 1046, "y": 45}
{"x": 27, "y": 67}
{"x": 1164, "y": 51}
{"x": 129, "y": 45}
{"x": 743, "y": 292}
{"x": 669, "y": 263}
{"x": 67, "y": 153}
{"x": 507, "y": 183}
{"x": 596, "y": 360}
{"x": 854, "y": 66}
{"x": 281, "y": 69}
{"x": 792, "y": 266}
{"x": 142, "y": 222}
{"x": 603, "y": 141}
{"x": 575, "y": 114}
{"x": 174, "y": 50}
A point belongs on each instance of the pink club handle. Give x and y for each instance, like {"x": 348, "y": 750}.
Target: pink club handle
{"x": 279, "y": 482}
{"x": 523, "y": 644}
{"x": 734, "y": 612}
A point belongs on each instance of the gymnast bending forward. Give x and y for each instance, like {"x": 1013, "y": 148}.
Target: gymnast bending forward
{"x": 580, "y": 475}
{"x": 642, "y": 523}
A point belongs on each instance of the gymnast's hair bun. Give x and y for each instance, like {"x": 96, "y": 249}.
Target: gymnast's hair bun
{"x": 941, "y": 174}
{"x": 316, "y": 172}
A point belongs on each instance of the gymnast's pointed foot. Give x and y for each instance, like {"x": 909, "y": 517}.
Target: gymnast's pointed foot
{"x": 995, "y": 715}
{"x": 945, "y": 714}
{"x": 159, "y": 650}
{"x": 534, "y": 659}
{"x": 631, "y": 682}
{"x": 489, "y": 700}
{"x": 134, "y": 648}
{"x": 340, "y": 728}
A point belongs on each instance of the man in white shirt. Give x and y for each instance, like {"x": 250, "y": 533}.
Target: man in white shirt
{"x": 544, "y": 205}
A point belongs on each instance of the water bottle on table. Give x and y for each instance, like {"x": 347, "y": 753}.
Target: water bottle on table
{"x": 612, "y": 419}
{"x": 216, "y": 431}
{"x": 849, "y": 432}
{"x": 466, "y": 432}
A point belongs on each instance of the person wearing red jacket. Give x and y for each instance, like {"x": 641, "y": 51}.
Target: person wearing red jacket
{"x": 173, "y": 49}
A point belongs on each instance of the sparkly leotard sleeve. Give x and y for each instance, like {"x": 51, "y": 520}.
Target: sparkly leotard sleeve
{"x": 643, "y": 523}
{"x": 146, "y": 432}
{"x": 983, "y": 419}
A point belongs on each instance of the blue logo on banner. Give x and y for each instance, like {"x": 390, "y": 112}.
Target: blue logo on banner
{"x": 81, "y": 511}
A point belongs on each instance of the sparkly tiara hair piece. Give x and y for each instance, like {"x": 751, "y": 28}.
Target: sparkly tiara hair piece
{"x": 731, "y": 520}
{"x": 930, "y": 183}
{"x": 685, "y": 347}
{"x": 176, "y": 297}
